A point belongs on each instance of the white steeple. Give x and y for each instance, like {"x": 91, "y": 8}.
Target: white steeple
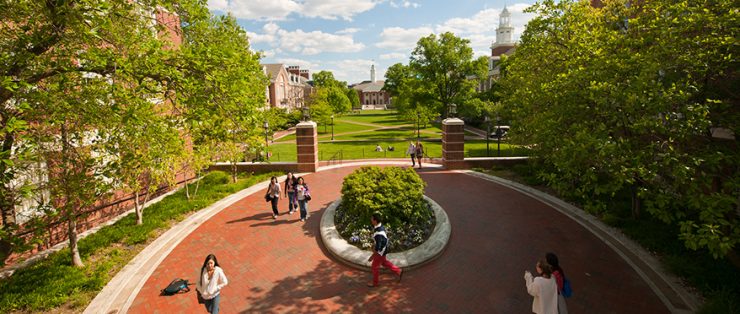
{"x": 504, "y": 30}
{"x": 372, "y": 73}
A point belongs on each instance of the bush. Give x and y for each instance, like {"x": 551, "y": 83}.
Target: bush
{"x": 394, "y": 193}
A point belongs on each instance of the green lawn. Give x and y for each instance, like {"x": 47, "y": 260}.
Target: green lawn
{"x": 364, "y": 150}
{"x": 385, "y": 117}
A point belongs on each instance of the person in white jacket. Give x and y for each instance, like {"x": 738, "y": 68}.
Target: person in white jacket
{"x": 411, "y": 151}
{"x": 543, "y": 288}
{"x": 212, "y": 280}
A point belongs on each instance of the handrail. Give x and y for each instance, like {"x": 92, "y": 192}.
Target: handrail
{"x": 338, "y": 156}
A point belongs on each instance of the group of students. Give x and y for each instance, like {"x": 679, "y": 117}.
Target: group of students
{"x": 296, "y": 191}
{"x": 415, "y": 151}
{"x": 547, "y": 288}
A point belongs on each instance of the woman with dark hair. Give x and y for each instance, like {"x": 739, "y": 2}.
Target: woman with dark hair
{"x": 303, "y": 196}
{"x": 543, "y": 288}
{"x": 273, "y": 193}
{"x": 290, "y": 182}
{"x": 212, "y": 280}
{"x": 559, "y": 275}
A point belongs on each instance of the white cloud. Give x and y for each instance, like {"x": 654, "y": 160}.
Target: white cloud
{"x": 306, "y": 43}
{"x": 404, "y": 4}
{"x": 480, "y": 29}
{"x": 354, "y": 70}
{"x": 334, "y": 9}
{"x": 268, "y": 53}
{"x": 350, "y": 30}
{"x": 281, "y": 9}
{"x": 402, "y": 39}
{"x": 392, "y": 56}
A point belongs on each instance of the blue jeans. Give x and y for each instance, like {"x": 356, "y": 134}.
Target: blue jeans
{"x": 291, "y": 202}
{"x": 212, "y": 304}
{"x": 303, "y": 205}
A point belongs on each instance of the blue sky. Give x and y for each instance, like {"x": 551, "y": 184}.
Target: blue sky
{"x": 347, "y": 36}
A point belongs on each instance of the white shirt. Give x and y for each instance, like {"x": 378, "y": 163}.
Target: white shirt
{"x": 210, "y": 288}
{"x": 545, "y": 293}
{"x": 411, "y": 150}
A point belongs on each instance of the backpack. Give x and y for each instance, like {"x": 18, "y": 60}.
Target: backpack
{"x": 176, "y": 286}
{"x": 567, "y": 290}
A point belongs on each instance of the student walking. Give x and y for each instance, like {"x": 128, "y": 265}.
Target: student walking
{"x": 380, "y": 251}
{"x": 543, "y": 288}
{"x": 303, "y": 196}
{"x": 273, "y": 193}
{"x": 411, "y": 151}
{"x": 212, "y": 280}
{"x": 419, "y": 153}
{"x": 290, "y": 183}
{"x": 559, "y": 275}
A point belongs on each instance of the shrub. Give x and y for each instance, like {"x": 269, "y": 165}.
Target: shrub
{"x": 395, "y": 193}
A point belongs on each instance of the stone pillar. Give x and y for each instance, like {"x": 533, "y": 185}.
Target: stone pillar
{"x": 307, "y": 146}
{"x": 453, "y": 143}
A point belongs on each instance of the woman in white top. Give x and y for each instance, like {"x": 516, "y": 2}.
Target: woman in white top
{"x": 212, "y": 280}
{"x": 543, "y": 288}
{"x": 273, "y": 191}
{"x": 303, "y": 196}
{"x": 411, "y": 151}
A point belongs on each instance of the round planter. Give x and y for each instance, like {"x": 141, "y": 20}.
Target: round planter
{"x": 357, "y": 258}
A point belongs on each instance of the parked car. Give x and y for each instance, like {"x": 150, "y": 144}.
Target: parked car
{"x": 500, "y": 131}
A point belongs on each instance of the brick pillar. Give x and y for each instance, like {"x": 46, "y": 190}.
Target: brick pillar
{"x": 308, "y": 146}
{"x": 453, "y": 143}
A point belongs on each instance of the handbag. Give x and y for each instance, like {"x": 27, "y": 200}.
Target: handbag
{"x": 200, "y": 298}
{"x": 268, "y": 198}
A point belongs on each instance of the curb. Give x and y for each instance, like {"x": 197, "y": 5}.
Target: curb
{"x": 354, "y": 257}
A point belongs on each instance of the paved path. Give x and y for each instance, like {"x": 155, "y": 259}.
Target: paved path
{"x": 280, "y": 266}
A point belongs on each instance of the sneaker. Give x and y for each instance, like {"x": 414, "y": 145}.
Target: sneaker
{"x": 371, "y": 285}
{"x": 274, "y": 216}
{"x": 303, "y": 219}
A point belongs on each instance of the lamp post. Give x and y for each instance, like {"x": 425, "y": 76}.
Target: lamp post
{"x": 267, "y": 127}
{"x": 418, "y": 124}
{"x": 306, "y": 113}
{"x": 332, "y": 127}
{"x": 487, "y": 120}
{"x": 498, "y": 135}
{"x": 453, "y": 111}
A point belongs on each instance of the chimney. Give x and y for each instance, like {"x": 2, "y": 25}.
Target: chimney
{"x": 294, "y": 69}
{"x": 304, "y": 73}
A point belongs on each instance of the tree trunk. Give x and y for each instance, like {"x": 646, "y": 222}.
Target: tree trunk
{"x": 197, "y": 184}
{"x": 72, "y": 233}
{"x": 187, "y": 190}
{"x": 233, "y": 171}
{"x": 137, "y": 208}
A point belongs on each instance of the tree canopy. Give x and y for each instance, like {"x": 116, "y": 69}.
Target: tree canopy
{"x": 623, "y": 101}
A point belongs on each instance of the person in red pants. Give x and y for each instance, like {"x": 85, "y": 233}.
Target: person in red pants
{"x": 379, "y": 252}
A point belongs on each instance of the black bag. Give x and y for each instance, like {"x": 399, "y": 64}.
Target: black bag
{"x": 200, "y": 298}
{"x": 176, "y": 286}
{"x": 268, "y": 198}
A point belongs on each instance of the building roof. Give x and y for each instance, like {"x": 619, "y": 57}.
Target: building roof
{"x": 368, "y": 86}
{"x": 273, "y": 69}
{"x": 503, "y": 50}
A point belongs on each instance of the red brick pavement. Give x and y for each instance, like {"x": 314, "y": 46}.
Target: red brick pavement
{"x": 281, "y": 266}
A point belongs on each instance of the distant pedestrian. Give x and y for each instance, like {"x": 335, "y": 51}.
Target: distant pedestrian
{"x": 419, "y": 153}
{"x": 212, "y": 280}
{"x": 380, "y": 250}
{"x": 559, "y": 275}
{"x": 303, "y": 195}
{"x": 290, "y": 183}
{"x": 378, "y": 148}
{"x": 273, "y": 193}
{"x": 411, "y": 151}
{"x": 543, "y": 288}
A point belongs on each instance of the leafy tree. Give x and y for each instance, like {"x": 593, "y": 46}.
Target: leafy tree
{"x": 622, "y": 100}
{"x": 441, "y": 67}
{"x": 325, "y": 79}
{"x": 354, "y": 98}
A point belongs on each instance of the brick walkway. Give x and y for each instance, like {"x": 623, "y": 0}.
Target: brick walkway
{"x": 280, "y": 266}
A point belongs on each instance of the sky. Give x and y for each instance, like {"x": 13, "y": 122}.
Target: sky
{"x": 347, "y": 36}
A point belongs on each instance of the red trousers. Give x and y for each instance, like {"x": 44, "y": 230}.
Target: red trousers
{"x": 377, "y": 261}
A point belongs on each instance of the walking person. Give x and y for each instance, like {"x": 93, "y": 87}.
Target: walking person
{"x": 303, "y": 196}
{"x": 419, "y": 153}
{"x": 212, "y": 280}
{"x": 543, "y": 288}
{"x": 380, "y": 251}
{"x": 411, "y": 151}
{"x": 559, "y": 276}
{"x": 273, "y": 193}
{"x": 290, "y": 183}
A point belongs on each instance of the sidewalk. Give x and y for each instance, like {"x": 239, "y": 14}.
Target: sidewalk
{"x": 278, "y": 266}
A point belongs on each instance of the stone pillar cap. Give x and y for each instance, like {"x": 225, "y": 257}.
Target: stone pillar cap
{"x": 306, "y": 124}
{"x": 453, "y": 121}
